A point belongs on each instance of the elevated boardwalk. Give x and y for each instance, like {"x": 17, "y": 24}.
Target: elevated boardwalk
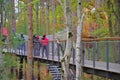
{"x": 91, "y": 67}
{"x": 100, "y": 58}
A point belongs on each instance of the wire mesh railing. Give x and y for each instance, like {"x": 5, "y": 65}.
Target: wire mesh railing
{"x": 107, "y": 51}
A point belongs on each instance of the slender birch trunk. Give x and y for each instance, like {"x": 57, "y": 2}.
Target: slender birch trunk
{"x": 47, "y": 16}
{"x": 37, "y": 20}
{"x": 78, "y": 41}
{"x": 30, "y": 44}
{"x": 53, "y": 17}
{"x": 13, "y": 15}
{"x": 67, "y": 55}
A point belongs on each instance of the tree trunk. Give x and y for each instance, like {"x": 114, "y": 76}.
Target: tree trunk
{"x": 9, "y": 17}
{"x": 40, "y": 18}
{"x": 109, "y": 19}
{"x": 78, "y": 41}
{"x": 37, "y": 20}
{"x": 43, "y": 19}
{"x": 117, "y": 28}
{"x": 118, "y": 16}
{"x": 47, "y": 17}
{"x": 30, "y": 44}
{"x": 13, "y": 16}
{"x": 67, "y": 55}
{"x": 1, "y": 13}
{"x": 1, "y": 16}
{"x": 53, "y": 18}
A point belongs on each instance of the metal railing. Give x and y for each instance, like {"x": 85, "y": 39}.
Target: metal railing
{"x": 104, "y": 50}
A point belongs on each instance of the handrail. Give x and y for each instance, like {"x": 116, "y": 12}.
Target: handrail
{"x": 93, "y": 39}
{"x": 101, "y": 39}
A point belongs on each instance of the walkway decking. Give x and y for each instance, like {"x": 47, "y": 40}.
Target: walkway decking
{"x": 113, "y": 67}
{"x": 102, "y": 66}
{"x": 99, "y": 68}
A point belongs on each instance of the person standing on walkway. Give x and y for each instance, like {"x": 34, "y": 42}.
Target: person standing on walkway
{"x": 36, "y": 45}
{"x": 22, "y": 42}
{"x": 44, "y": 43}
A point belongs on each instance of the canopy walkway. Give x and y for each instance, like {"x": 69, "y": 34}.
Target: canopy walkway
{"x": 99, "y": 56}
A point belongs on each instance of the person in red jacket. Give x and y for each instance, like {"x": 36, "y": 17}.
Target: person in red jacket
{"x": 44, "y": 43}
